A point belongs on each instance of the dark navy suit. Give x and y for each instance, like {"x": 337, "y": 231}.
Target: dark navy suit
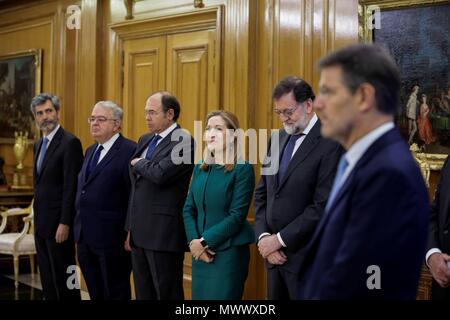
{"x": 379, "y": 217}
{"x": 101, "y": 204}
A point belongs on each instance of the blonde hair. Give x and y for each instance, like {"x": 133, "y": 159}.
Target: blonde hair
{"x": 231, "y": 122}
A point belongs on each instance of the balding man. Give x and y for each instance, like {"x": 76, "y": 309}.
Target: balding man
{"x": 160, "y": 182}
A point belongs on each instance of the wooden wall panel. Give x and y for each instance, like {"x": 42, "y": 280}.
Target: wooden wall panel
{"x": 239, "y": 41}
{"x": 293, "y": 35}
{"x": 88, "y": 72}
{"x": 144, "y": 72}
{"x": 191, "y": 74}
{"x": 39, "y": 25}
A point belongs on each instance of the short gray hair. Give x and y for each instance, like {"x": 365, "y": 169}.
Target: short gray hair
{"x": 43, "y": 98}
{"x": 116, "y": 109}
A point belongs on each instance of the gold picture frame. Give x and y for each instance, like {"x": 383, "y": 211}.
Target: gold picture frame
{"x": 20, "y": 81}
{"x": 371, "y": 10}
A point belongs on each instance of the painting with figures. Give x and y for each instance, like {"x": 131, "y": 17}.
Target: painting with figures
{"x": 19, "y": 82}
{"x": 419, "y": 39}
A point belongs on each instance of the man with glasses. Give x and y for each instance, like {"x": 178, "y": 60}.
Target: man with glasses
{"x": 156, "y": 235}
{"x": 57, "y": 160}
{"x": 101, "y": 204}
{"x": 290, "y": 203}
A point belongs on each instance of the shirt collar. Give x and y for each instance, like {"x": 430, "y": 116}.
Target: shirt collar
{"x": 52, "y": 134}
{"x": 357, "y": 150}
{"x": 108, "y": 144}
{"x": 166, "y": 132}
{"x": 311, "y": 124}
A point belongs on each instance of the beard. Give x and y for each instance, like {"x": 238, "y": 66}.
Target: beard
{"x": 297, "y": 127}
{"x": 48, "y": 125}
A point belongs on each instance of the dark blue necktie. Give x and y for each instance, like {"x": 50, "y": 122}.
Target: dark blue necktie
{"x": 94, "y": 160}
{"x": 42, "y": 154}
{"x": 152, "y": 146}
{"x": 287, "y": 155}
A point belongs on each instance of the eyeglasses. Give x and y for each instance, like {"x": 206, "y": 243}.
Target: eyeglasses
{"x": 151, "y": 113}
{"x": 287, "y": 112}
{"x": 99, "y": 119}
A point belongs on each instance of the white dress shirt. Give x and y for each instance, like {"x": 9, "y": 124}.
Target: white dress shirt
{"x": 49, "y": 138}
{"x": 51, "y": 135}
{"x": 106, "y": 146}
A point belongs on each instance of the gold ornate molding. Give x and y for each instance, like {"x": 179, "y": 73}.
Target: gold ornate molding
{"x": 436, "y": 161}
{"x": 199, "y": 4}
{"x": 427, "y": 162}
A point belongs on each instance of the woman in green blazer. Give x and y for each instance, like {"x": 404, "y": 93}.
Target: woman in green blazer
{"x": 215, "y": 214}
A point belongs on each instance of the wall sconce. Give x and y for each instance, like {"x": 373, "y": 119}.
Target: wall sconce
{"x": 199, "y": 4}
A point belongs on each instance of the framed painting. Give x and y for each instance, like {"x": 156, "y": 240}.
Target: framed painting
{"x": 416, "y": 32}
{"x": 20, "y": 81}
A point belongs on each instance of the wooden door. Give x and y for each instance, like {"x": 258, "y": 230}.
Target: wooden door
{"x": 144, "y": 71}
{"x": 193, "y": 74}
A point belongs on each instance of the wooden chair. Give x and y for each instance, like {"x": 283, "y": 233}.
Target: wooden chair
{"x": 18, "y": 243}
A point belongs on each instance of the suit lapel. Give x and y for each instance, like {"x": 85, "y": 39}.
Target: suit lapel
{"x": 389, "y": 137}
{"x": 142, "y": 146}
{"x": 112, "y": 152}
{"x": 282, "y": 141}
{"x": 311, "y": 139}
{"x": 164, "y": 143}
{"x": 326, "y": 216}
{"x": 161, "y": 146}
{"x": 87, "y": 159}
{"x": 36, "y": 156}
{"x": 51, "y": 149}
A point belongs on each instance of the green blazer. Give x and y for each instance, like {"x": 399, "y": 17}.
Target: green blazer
{"x": 217, "y": 206}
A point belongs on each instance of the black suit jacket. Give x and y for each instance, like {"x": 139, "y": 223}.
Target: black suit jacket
{"x": 55, "y": 187}
{"x": 159, "y": 189}
{"x": 102, "y": 199}
{"x": 439, "y": 227}
{"x": 295, "y": 206}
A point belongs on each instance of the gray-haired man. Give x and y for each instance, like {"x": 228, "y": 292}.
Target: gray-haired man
{"x": 57, "y": 160}
{"x": 101, "y": 204}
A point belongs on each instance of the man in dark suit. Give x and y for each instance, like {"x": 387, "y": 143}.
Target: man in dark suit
{"x": 371, "y": 241}
{"x": 290, "y": 203}
{"x": 57, "y": 160}
{"x": 101, "y": 203}
{"x": 161, "y": 171}
{"x": 437, "y": 257}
